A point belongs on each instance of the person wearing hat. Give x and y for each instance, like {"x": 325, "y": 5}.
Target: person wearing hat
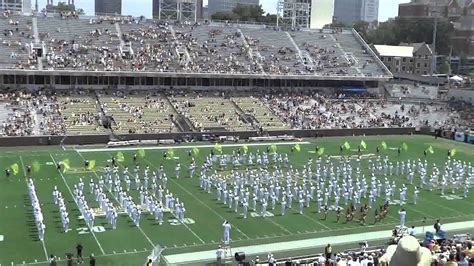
{"x": 407, "y": 252}
{"x": 219, "y": 255}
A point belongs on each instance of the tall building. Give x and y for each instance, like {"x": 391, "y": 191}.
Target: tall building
{"x": 16, "y": 6}
{"x": 350, "y": 11}
{"x": 370, "y": 10}
{"x": 227, "y": 5}
{"x": 322, "y": 12}
{"x": 103, "y": 7}
{"x": 173, "y": 5}
{"x": 424, "y": 8}
{"x": 347, "y": 11}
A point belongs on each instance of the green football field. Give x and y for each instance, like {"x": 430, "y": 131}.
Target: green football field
{"x": 130, "y": 245}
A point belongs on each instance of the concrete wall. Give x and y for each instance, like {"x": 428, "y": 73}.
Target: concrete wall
{"x": 462, "y": 95}
{"x": 102, "y": 139}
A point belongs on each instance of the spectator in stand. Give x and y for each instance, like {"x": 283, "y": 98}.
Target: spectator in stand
{"x": 469, "y": 252}
{"x": 407, "y": 252}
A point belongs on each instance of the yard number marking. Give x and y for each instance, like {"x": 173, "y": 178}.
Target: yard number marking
{"x": 451, "y": 197}
{"x": 266, "y": 214}
{"x": 177, "y": 222}
{"x": 95, "y": 229}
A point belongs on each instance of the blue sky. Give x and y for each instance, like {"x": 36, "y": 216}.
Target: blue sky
{"x": 388, "y": 8}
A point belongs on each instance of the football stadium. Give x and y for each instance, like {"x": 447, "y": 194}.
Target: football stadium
{"x": 126, "y": 140}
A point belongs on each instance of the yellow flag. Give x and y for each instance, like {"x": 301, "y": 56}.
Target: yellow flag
{"x": 15, "y": 168}
{"x": 297, "y": 147}
{"x": 120, "y": 157}
{"x": 141, "y": 153}
{"x": 218, "y": 148}
{"x": 66, "y": 165}
{"x": 453, "y": 152}
{"x": 245, "y": 148}
{"x": 347, "y": 145}
{"x": 91, "y": 164}
{"x": 404, "y": 146}
{"x": 170, "y": 154}
{"x": 363, "y": 144}
{"x": 321, "y": 151}
{"x": 36, "y": 166}
{"x": 273, "y": 148}
{"x": 430, "y": 149}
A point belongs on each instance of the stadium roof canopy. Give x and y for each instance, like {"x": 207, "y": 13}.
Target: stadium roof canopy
{"x": 394, "y": 51}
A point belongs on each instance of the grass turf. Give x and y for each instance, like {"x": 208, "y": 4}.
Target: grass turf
{"x": 129, "y": 245}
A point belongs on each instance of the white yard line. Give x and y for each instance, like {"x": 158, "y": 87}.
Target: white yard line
{"x": 278, "y": 225}
{"x": 74, "y": 198}
{"x": 197, "y": 199}
{"x": 191, "y": 146}
{"x": 316, "y": 221}
{"x": 42, "y": 241}
{"x": 200, "y": 239}
{"x": 110, "y": 192}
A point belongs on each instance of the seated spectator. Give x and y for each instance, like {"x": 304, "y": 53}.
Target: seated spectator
{"x": 407, "y": 252}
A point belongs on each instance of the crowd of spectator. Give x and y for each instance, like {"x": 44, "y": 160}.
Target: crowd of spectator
{"x": 316, "y": 111}
{"x": 408, "y": 251}
{"x": 27, "y": 114}
{"x": 138, "y": 113}
{"x": 137, "y": 44}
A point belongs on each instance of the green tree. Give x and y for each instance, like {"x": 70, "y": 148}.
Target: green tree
{"x": 362, "y": 27}
{"x": 249, "y": 12}
{"x": 411, "y": 30}
{"x": 63, "y": 7}
{"x": 222, "y": 15}
{"x": 444, "y": 68}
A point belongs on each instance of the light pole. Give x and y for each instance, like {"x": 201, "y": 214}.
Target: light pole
{"x": 435, "y": 29}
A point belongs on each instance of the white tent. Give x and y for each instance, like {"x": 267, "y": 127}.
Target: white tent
{"x": 456, "y": 78}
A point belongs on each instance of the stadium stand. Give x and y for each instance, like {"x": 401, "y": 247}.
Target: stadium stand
{"x": 17, "y": 34}
{"x": 138, "y": 113}
{"x": 72, "y": 113}
{"x": 96, "y": 44}
{"x": 209, "y": 113}
{"x": 262, "y": 116}
{"x": 80, "y": 114}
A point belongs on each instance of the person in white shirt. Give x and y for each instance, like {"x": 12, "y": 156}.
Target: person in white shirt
{"x": 403, "y": 214}
{"x": 219, "y": 255}
{"x": 352, "y": 261}
{"x": 412, "y": 231}
{"x": 227, "y": 228}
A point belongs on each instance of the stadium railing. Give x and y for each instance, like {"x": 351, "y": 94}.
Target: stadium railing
{"x": 103, "y": 139}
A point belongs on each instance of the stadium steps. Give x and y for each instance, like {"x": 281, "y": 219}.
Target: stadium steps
{"x": 184, "y": 124}
{"x": 181, "y": 122}
{"x": 247, "y": 118}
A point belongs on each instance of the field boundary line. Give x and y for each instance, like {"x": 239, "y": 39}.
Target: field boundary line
{"x": 196, "y": 198}
{"x": 42, "y": 241}
{"x": 97, "y": 256}
{"x": 112, "y": 194}
{"x": 177, "y": 146}
{"x": 286, "y": 246}
{"x": 74, "y": 198}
